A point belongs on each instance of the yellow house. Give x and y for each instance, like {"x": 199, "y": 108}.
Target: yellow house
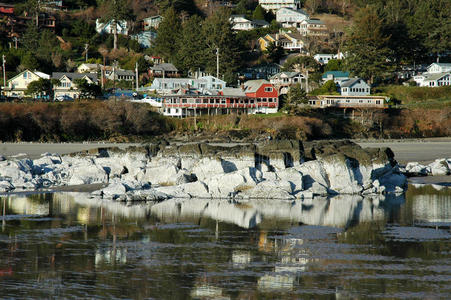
{"x": 264, "y": 41}
{"x": 290, "y": 41}
{"x": 17, "y": 85}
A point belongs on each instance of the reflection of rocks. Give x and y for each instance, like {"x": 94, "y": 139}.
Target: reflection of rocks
{"x": 339, "y": 211}
{"x": 287, "y": 169}
{"x": 432, "y": 208}
{"x": 27, "y": 206}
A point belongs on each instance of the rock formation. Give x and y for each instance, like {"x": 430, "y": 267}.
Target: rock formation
{"x": 285, "y": 169}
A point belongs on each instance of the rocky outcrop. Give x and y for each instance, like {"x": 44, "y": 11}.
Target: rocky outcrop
{"x": 286, "y": 169}
{"x": 439, "y": 167}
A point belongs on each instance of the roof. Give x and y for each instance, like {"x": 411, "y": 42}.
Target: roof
{"x": 252, "y": 86}
{"x": 300, "y": 11}
{"x": 37, "y": 73}
{"x": 336, "y": 74}
{"x": 229, "y": 91}
{"x": 287, "y": 74}
{"x": 167, "y": 67}
{"x": 350, "y": 82}
{"x": 436, "y": 76}
{"x": 91, "y": 66}
{"x": 124, "y": 72}
{"x": 180, "y": 80}
{"x": 294, "y": 35}
{"x": 72, "y": 76}
{"x": 314, "y": 21}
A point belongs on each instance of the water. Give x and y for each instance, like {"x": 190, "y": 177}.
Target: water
{"x": 65, "y": 245}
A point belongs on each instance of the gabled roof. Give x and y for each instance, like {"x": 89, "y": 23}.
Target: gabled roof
{"x": 167, "y": 67}
{"x": 73, "y": 76}
{"x": 300, "y": 11}
{"x": 293, "y": 35}
{"x": 252, "y": 86}
{"x": 37, "y": 73}
{"x": 229, "y": 91}
{"x": 336, "y": 74}
{"x": 436, "y": 76}
{"x": 351, "y": 82}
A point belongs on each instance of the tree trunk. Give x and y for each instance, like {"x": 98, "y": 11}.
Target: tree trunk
{"x": 113, "y": 23}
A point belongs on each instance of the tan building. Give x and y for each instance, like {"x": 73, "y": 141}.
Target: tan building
{"x": 17, "y": 85}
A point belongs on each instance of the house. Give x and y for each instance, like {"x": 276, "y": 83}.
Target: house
{"x": 67, "y": 86}
{"x": 261, "y": 71}
{"x": 121, "y": 26}
{"x": 290, "y": 41}
{"x": 151, "y": 22}
{"x": 17, "y": 85}
{"x": 323, "y": 58}
{"x": 89, "y": 68}
{"x": 202, "y": 84}
{"x": 240, "y": 22}
{"x": 313, "y": 27}
{"x": 274, "y": 5}
{"x": 439, "y": 68}
{"x": 164, "y": 70}
{"x": 145, "y": 38}
{"x": 437, "y": 74}
{"x": 120, "y": 74}
{"x": 354, "y": 87}
{"x": 7, "y": 9}
{"x": 336, "y": 76}
{"x": 283, "y": 80}
{"x": 288, "y": 17}
{"x": 348, "y": 102}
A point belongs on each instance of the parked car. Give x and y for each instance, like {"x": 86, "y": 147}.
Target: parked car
{"x": 64, "y": 98}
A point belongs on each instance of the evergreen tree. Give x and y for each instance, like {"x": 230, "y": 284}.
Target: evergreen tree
{"x": 191, "y": 45}
{"x": 219, "y": 35}
{"x": 274, "y": 52}
{"x": 168, "y": 34}
{"x": 259, "y": 13}
{"x": 30, "y": 39}
{"x": 39, "y": 87}
{"x": 366, "y": 46}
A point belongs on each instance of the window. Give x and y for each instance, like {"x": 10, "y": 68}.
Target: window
{"x": 268, "y": 89}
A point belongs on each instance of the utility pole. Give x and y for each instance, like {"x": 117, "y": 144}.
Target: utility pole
{"x": 217, "y": 62}
{"x": 306, "y": 84}
{"x": 4, "y": 71}
{"x": 114, "y": 79}
{"x": 86, "y": 51}
{"x": 136, "y": 71}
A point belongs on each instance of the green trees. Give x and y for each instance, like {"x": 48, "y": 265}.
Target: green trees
{"x": 191, "y": 45}
{"x": 366, "y": 46}
{"x": 39, "y": 87}
{"x": 168, "y": 34}
{"x": 87, "y": 90}
{"x": 274, "y": 53}
{"x": 259, "y": 13}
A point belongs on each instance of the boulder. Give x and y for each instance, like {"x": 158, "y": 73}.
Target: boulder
{"x": 417, "y": 169}
{"x": 439, "y": 167}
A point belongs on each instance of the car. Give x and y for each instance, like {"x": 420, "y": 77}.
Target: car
{"x": 64, "y": 98}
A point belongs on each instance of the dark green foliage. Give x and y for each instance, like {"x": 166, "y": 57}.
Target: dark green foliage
{"x": 366, "y": 46}
{"x": 274, "y": 53}
{"x": 191, "y": 45}
{"x": 168, "y": 34}
{"x": 328, "y": 88}
{"x": 259, "y": 13}
{"x": 334, "y": 65}
{"x": 39, "y": 87}
{"x": 88, "y": 90}
{"x": 301, "y": 63}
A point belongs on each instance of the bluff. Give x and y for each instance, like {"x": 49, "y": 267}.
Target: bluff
{"x": 281, "y": 169}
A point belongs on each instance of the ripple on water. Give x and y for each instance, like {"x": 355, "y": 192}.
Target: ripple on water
{"x": 419, "y": 234}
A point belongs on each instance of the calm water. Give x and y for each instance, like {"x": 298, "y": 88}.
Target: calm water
{"x": 66, "y": 245}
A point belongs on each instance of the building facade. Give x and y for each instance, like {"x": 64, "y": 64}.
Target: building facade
{"x": 66, "y": 85}
{"x": 288, "y": 17}
{"x": 17, "y": 85}
{"x": 354, "y": 87}
{"x": 274, "y": 5}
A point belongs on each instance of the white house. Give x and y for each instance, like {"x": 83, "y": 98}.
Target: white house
{"x": 89, "y": 68}
{"x": 67, "y": 86}
{"x": 121, "y": 25}
{"x": 145, "y": 38}
{"x": 313, "y": 27}
{"x": 151, "y": 22}
{"x": 439, "y": 68}
{"x": 283, "y": 80}
{"x": 323, "y": 58}
{"x": 291, "y": 18}
{"x": 121, "y": 74}
{"x": 202, "y": 84}
{"x": 354, "y": 87}
{"x": 438, "y": 74}
{"x": 17, "y": 85}
{"x": 274, "y": 5}
{"x": 240, "y": 22}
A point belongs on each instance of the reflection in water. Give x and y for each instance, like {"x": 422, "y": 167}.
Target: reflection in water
{"x": 68, "y": 245}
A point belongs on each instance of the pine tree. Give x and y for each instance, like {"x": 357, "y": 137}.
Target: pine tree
{"x": 168, "y": 34}
{"x": 191, "y": 45}
{"x": 219, "y": 35}
{"x": 259, "y": 13}
{"x": 366, "y": 46}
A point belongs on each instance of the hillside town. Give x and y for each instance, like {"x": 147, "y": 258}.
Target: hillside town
{"x": 247, "y": 57}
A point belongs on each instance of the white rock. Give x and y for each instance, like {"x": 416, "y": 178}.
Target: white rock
{"x": 417, "y": 168}
{"x": 86, "y": 172}
{"x": 5, "y": 186}
{"x": 165, "y": 174}
{"x": 439, "y": 167}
